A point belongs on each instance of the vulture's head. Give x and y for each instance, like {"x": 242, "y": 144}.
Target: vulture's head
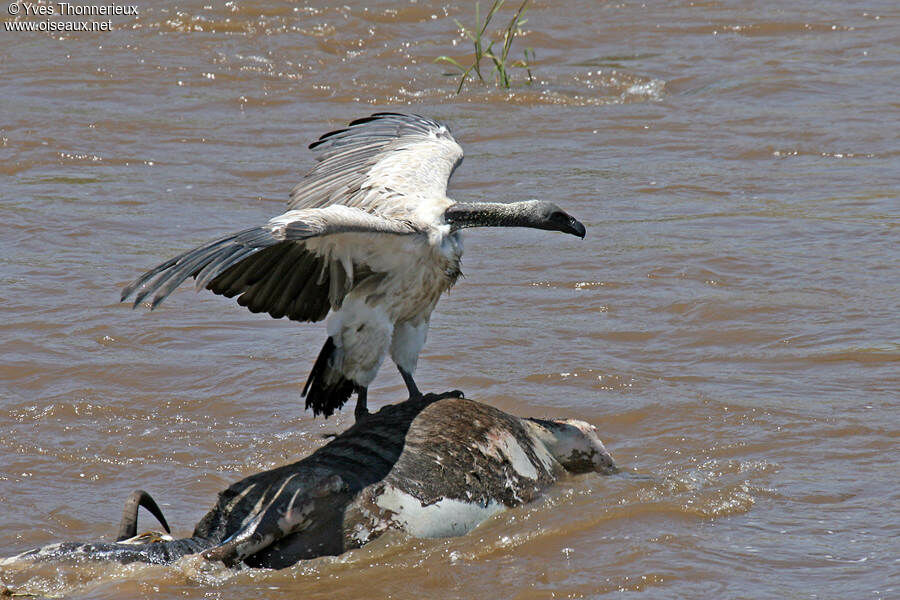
{"x": 547, "y": 215}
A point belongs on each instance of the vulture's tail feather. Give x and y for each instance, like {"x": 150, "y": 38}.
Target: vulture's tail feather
{"x": 326, "y": 389}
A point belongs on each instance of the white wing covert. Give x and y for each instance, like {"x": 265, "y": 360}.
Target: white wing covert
{"x": 386, "y": 164}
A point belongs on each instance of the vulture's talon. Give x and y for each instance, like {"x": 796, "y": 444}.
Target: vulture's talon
{"x": 450, "y": 394}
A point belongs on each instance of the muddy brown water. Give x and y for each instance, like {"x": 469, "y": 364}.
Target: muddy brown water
{"x": 730, "y": 323}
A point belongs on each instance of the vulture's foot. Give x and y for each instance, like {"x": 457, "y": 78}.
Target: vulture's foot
{"x": 450, "y": 394}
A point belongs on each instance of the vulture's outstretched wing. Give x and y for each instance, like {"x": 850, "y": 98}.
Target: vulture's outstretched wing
{"x": 286, "y": 267}
{"x": 380, "y": 164}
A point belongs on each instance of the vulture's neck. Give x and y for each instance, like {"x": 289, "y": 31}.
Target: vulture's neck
{"x": 492, "y": 214}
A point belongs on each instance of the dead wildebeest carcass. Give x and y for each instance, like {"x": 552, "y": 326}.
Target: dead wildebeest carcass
{"x": 431, "y": 467}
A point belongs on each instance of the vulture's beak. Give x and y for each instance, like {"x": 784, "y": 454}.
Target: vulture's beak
{"x": 574, "y": 227}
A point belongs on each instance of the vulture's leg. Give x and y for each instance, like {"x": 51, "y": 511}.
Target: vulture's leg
{"x": 415, "y": 394}
{"x": 411, "y": 386}
{"x": 361, "y": 410}
{"x": 406, "y": 344}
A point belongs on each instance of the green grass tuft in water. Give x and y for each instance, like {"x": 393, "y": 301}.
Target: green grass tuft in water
{"x": 501, "y": 61}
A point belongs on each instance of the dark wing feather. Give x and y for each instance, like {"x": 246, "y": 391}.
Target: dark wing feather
{"x": 270, "y": 268}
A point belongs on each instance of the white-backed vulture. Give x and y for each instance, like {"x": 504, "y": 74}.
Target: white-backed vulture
{"x": 370, "y": 238}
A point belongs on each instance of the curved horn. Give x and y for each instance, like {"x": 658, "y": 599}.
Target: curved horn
{"x": 128, "y": 525}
